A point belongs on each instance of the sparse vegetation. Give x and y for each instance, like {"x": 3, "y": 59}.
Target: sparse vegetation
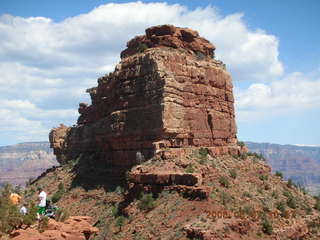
{"x": 256, "y": 155}
{"x": 317, "y": 204}
{"x": 247, "y": 194}
{"x": 224, "y": 182}
{"x": 58, "y": 194}
{"x": 292, "y": 202}
{"x": 142, "y": 47}
{"x": 146, "y": 201}
{"x": 189, "y": 168}
{"x": 225, "y": 198}
{"x": 241, "y": 144}
{"x": 61, "y": 215}
{"x": 279, "y": 174}
{"x": 266, "y": 225}
{"x": 200, "y": 55}
{"x": 263, "y": 177}
{"x": 233, "y": 173}
{"x": 290, "y": 183}
{"x": 281, "y": 206}
{"x": 120, "y": 222}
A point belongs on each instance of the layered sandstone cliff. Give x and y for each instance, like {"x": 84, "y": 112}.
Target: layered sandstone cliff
{"x": 168, "y": 93}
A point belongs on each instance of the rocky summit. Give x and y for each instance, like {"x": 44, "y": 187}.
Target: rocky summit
{"x": 167, "y": 93}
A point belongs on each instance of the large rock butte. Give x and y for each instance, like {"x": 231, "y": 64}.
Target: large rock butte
{"x": 168, "y": 94}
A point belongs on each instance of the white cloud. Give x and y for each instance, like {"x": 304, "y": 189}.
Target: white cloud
{"x": 295, "y": 92}
{"x": 46, "y": 66}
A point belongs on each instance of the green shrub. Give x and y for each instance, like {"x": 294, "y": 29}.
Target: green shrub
{"x": 146, "y": 201}
{"x": 233, "y": 173}
{"x": 58, "y": 194}
{"x": 291, "y": 202}
{"x": 317, "y": 205}
{"x": 225, "y": 198}
{"x": 31, "y": 216}
{"x": 61, "y": 187}
{"x": 279, "y": 174}
{"x": 189, "y": 168}
{"x": 263, "y": 177}
{"x": 248, "y": 210}
{"x": 119, "y": 190}
{"x": 203, "y": 152}
{"x": 203, "y": 155}
{"x": 290, "y": 183}
{"x": 61, "y": 215}
{"x": 142, "y": 47}
{"x": 114, "y": 211}
{"x": 224, "y": 182}
{"x": 307, "y": 209}
{"x": 200, "y": 55}
{"x": 120, "y": 222}
{"x": 275, "y": 194}
{"x": 281, "y": 206}
{"x": 266, "y": 226}
{"x": 10, "y": 218}
{"x": 247, "y": 194}
{"x": 240, "y": 143}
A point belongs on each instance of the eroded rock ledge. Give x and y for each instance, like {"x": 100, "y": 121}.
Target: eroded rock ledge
{"x": 168, "y": 92}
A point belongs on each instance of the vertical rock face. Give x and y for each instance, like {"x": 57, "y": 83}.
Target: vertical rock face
{"x": 167, "y": 93}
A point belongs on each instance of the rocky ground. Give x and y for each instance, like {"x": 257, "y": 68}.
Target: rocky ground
{"x": 75, "y": 228}
{"x": 196, "y": 197}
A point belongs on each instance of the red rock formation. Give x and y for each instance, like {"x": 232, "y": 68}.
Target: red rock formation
{"x": 75, "y": 228}
{"x": 168, "y": 92}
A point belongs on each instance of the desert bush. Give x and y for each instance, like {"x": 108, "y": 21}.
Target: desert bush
{"x": 248, "y": 210}
{"x": 200, "y": 55}
{"x": 279, "y": 174}
{"x": 225, "y": 198}
{"x": 247, "y": 194}
{"x": 142, "y": 47}
{"x": 114, "y": 211}
{"x": 120, "y": 222}
{"x": 291, "y": 202}
{"x": 61, "y": 215}
{"x": 263, "y": 177}
{"x": 290, "y": 183}
{"x": 317, "y": 205}
{"x": 256, "y": 155}
{"x": 189, "y": 168}
{"x": 240, "y": 143}
{"x": 281, "y": 206}
{"x": 58, "y": 194}
{"x": 31, "y": 216}
{"x": 146, "y": 201}
{"x": 10, "y": 218}
{"x": 233, "y": 173}
{"x": 224, "y": 182}
{"x": 266, "y": 225}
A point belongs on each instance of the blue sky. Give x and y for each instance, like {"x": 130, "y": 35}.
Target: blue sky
{"x": 51, "y": 51}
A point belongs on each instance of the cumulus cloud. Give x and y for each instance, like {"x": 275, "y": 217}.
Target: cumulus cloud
{"x": 46, "y": 65}
{"x": 295, "y": 92}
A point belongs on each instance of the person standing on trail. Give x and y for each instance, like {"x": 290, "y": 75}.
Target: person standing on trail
{"x": 23, "y": 209}
{"x": 42, "y": 201}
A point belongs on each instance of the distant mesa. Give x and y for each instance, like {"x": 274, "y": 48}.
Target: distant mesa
{"x": 166, "y": 96}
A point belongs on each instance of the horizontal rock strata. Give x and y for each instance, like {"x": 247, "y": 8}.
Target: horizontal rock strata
{"x": 168, "y": 92}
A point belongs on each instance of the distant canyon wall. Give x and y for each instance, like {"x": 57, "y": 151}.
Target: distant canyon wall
{"x": 300, "y": 163}
{"x": 20, "y": 162}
